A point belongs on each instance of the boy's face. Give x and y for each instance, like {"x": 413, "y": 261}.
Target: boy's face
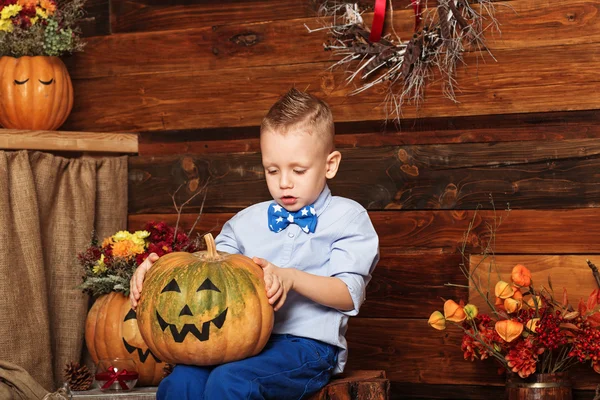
{"x": 297, "y": 166}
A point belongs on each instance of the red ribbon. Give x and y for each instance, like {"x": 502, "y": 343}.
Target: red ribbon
{"x": 417, "y": 7}
{"x": 111, "y": 375}
{"x": 378, "y": 18}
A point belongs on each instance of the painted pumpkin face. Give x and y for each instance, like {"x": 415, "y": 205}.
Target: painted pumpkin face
{"x": 204, "y": 308}
{"x": 197, "y": 300}
{"x": 111, "y": 331}
{"x": 35, "y": 93}
{"x": 132, "y": 339}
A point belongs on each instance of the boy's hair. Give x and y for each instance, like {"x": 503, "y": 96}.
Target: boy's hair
{"x": 298, "y": 109}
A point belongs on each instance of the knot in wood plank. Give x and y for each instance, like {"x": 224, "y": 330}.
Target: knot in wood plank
{"x": 191, "y": 172}
{"x": 402, "y": 155}
{"x": 327, "y": 83}
{"x": 245, "y": 39}
{"x": 407, "y": 168}
{"x": 411, "y": 170}
{"x": 449, "y": 197}
{"x": 137, "y": 176}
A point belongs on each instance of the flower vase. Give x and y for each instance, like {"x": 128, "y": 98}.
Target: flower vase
{"x": 35, "y": 92}
{"x": 555, "y": 386}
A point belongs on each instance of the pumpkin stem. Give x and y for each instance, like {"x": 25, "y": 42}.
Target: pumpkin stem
{"x": 211, "y": 247}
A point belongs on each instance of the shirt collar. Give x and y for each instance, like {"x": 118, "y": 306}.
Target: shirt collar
{"x": 323, "y": 200}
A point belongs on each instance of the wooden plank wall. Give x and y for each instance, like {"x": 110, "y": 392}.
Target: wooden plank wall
{"x": 194, "y": 77}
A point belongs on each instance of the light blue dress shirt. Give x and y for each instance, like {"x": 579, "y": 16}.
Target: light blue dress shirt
{"x": 344, "y": 245}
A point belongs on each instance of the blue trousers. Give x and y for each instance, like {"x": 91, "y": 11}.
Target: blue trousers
{"x": 289, "y": 367}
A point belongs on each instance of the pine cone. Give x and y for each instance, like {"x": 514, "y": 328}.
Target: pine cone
{"x": 78, "y": 376}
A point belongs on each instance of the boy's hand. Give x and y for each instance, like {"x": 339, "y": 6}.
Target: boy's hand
{"x": 135, "y": 285}
{"x": 274, "y": 289}
{"x": 278, "y": 282}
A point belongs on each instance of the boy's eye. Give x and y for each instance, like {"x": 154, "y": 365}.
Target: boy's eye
{"x": 299, "y": 171}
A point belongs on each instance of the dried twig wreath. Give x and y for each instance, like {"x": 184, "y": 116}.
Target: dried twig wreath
{"x": 405, "y": 66}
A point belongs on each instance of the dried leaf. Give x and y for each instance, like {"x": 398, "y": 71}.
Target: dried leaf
{"x": 594, "y": 320}
{"x": 592, "y": 300}
{"x": 571, "y": 315}
{"x": 568, "y": 325}
{"x": 582, "y": 307}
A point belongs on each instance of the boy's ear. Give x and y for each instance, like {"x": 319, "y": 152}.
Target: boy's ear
{"x": 333, "y": 163}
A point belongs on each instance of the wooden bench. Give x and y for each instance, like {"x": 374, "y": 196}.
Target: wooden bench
{"x": 353, "y": 385}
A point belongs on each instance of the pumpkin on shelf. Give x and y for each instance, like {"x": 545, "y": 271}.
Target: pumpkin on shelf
{"x": 204, "y": 308}
{"x": 35, "y": 93}
{"x": 35, "y": 87}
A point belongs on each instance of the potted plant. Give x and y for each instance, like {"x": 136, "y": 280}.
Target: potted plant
{"x": 532, "y": 334}
{"x": 35, "y": 86}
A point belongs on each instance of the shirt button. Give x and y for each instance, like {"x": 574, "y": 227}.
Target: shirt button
{"x": 291, "y": 234}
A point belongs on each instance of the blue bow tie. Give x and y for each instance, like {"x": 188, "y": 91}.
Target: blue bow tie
{"x": 280, "y": 218}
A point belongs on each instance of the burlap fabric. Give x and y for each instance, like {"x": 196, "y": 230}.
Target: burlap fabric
{"x": 49, "y": 206}
{"x": 17, "y": 384}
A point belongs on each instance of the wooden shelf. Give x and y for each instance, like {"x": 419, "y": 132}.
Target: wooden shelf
{"x": 88, "y": 142}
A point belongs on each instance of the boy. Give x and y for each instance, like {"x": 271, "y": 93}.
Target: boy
{"x": 315, "y": 272}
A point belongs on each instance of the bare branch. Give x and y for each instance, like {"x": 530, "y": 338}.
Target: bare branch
{"x": 201, "y": 208}
{"x": 180, "y": 208}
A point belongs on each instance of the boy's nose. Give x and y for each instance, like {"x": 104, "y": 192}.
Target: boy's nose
{"x": 285, "y": 182}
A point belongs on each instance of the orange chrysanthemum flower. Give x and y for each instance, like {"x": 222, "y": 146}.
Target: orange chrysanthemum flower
{"x": 523, "y": 358}
{"x": 126, "y": 249}
{"x": 107, "y": 242}
{"x": 27, "y": 3}
{"x": 49, "y": 6}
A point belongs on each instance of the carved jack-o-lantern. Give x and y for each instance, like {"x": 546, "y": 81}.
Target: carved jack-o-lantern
{"x": 111, "y": 331}
{"x": 35, "y": 93}
{"x": 205, "y": 308}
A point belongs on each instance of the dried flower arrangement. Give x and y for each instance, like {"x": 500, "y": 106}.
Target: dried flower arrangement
{"x": 528, "y": 329}
{"x": 40, "y": 27}
{"x": 109, "y": 266}
{"x": 405, "y": 66}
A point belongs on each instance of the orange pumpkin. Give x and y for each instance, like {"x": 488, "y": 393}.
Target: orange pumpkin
{"x": 205, "y": 308}
{"x": 35, "y": 93}
{"x": 111, "y": 331}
